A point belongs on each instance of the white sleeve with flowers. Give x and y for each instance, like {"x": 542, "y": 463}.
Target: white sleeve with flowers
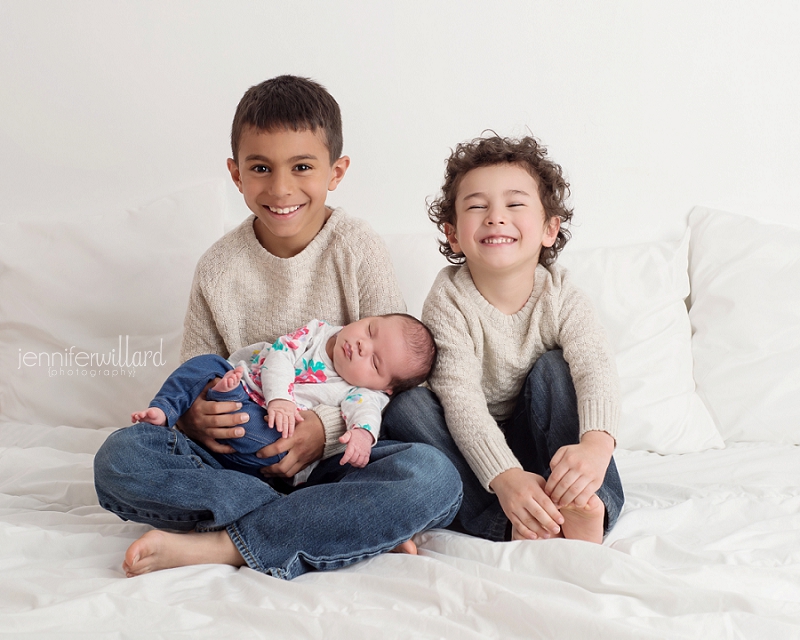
{"x": 362, "y": 409}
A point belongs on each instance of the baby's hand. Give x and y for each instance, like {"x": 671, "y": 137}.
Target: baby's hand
{"x": 578, "y": 470}
{"x": 282, "y": 415}
{"x": 359, "y": 443}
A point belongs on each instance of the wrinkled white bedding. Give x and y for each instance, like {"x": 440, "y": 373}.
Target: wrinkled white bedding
{"x": 690, "y": 557}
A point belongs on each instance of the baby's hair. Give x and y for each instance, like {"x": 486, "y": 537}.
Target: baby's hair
{"x": 422, "y": 353}
{"x": 527, "y": 153}
{"x": 289, "y": 102}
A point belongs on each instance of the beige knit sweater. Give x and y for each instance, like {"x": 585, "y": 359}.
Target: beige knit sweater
{"x": 243, "y": 294}
{"x": 485, "y": 356}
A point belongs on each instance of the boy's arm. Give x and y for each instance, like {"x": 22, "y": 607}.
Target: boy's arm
{"x": 200, "y": 334}
{"x": 456, "y": 380}
{"x": 205, "y": 422}
{"x": 577, "y": 471}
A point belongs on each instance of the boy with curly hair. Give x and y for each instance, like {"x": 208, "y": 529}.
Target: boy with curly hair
{"x": 526, "y": 381}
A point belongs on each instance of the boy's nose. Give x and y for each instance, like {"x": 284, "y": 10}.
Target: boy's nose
{"x": 280, "y": 185}
{"x": 495, "y": 216}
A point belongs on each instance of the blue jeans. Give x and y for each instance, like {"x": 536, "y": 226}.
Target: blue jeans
{"x": 187, "y": 382}
{"x": 545, "y": 418}
{"x": 157, "y": 476}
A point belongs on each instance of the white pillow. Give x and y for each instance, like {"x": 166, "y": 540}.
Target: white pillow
{"x": 745, "y": 313}
{"x": 639, "y": 294}
{"x": 416, "y": 260}
{"x": 71, "y": 288}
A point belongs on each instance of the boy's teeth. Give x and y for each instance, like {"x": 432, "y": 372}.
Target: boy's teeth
{"x": 499, "y": 240}
{"x": 283, "y": 211}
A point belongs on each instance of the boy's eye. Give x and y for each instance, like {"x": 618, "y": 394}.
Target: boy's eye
{"x": 303, "y": 167}
{"x": 259, "y": 168}
{"x": 476, "y": 206}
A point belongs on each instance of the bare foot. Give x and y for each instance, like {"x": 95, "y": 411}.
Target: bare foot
{"x": 406, "y": 547}
{"x": 153, "y": 415}
{"x": 584, "y": 523}
{"x": 229, "y": 381}
{"x": 157, "y": 550}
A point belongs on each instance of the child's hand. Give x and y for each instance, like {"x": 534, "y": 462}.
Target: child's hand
{"x": 578, "y": 470}
{"x": 281, "y": 415}
{"x": 531, "y": 512}
{"x": 359, "y": 443}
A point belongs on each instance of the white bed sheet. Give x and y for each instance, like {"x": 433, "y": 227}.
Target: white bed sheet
{"x": 707, "y": 547}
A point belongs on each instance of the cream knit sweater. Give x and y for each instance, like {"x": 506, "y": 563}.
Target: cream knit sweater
{"x": 485, "y": 356}
{"x": 243, "y": 294}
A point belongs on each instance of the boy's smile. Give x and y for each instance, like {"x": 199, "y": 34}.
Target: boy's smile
{"x": 284, "y": 176}
{"x": 500, "y": 221}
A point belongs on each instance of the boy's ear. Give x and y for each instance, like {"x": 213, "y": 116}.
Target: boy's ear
{"x": 338, "y": 169}
{"x": 388, "y": 392}
{"x": 450, "y": 234}
{"x": 235, "y": 174}
{"x": 551, "y": 229}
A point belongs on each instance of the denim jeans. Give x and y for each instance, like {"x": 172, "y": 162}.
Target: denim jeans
{"x": 187, "y": 382}
{"x": 157, "y": 476}
{"x": 545, "y": 418}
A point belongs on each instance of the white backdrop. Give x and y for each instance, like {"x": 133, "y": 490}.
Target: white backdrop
{"x": 650, "y": 107}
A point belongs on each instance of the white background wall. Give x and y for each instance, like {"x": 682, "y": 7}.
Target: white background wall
{"x": 651, "y": 107}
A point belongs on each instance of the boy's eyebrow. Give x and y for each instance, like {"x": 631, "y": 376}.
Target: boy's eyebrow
{"x": 508, "y": 192}
{"x": 260, "y": 158}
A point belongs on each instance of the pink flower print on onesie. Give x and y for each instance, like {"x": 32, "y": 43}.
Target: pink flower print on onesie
{"x": 293, "y": 339}
{"x": 313, "y": 372}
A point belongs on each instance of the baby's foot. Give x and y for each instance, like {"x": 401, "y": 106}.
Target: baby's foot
{"x": 157, "y": 550}
{"x": 406, "y": 547}
{"x": 229, "y": 381}
{"x": 584, "y": 523}
{"x": 153, "y": 415}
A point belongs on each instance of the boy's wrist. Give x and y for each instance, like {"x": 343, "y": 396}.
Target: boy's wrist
{"x": 599, "y": 440}
{"x": 333, "y": 427}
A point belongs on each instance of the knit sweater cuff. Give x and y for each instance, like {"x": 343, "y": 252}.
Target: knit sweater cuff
{"x": 489, "y": 459}
{"x": 334, "y": 427}
{"x": 599, "y": 415}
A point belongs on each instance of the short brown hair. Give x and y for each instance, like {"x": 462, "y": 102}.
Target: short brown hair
{"x": 422, "y": 352}
{"x": 293, "y": 103}
{"x": 527, "y": 153}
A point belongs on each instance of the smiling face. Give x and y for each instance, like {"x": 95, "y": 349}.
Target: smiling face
{"x": 284, "y": 176}
{"x": 501, "y": 225}
{"x": 371, "y": 353}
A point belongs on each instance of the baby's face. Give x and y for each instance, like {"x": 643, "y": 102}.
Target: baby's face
{"x": 371, "y": 353}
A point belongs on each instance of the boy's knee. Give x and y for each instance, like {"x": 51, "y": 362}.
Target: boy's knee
{"x": 551, "y": 372}
{"x": 412, "y": 404}
{"x": 124, "y": 450}
{"x": 436, "y": 470}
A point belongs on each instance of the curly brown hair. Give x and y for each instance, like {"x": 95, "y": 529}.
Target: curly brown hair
{"x": 527, "y": 153}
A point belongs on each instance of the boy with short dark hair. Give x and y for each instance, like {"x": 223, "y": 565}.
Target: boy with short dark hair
{"x": 293, "y": 259}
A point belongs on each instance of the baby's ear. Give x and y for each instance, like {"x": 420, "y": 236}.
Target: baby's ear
{"x": 388, "y": 392}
